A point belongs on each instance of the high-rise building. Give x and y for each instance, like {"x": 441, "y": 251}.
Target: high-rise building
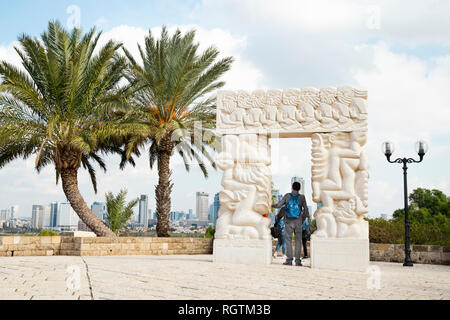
{"x": 46, "y": 217}
{"x": 37, "y": 216}
{"x": 202, "y": 201}
{"x": 99, "y": 209}
{"x": 211, "y": 213}
{"x": 53, "y": 214}
{"x": 302, "y": 183}
{"x": 4, "y": 214}
{"x": 216, "y": 205}
{"x": 384, "y": 216}
{"x": 67, "y": 218}
{"x": 150, "y": 216}
{"x": 14, "y": 212}
{"x": 190, "y": 214}
{"x": 143, "y": 211}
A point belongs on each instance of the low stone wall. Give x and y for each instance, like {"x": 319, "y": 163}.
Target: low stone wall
{"x": 419, "y": 253}
{"x": 83, "y": 246}
{"x": 29, "y": 246}
{"x": 80, "y": 246}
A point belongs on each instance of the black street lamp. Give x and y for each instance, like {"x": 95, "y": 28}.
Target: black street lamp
{"x": 388, "y": 150}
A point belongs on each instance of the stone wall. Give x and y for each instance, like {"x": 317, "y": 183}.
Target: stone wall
{"x": 30, "y": 246}
{"x": 82, "y": 246}
{"x": 419, "y": 253}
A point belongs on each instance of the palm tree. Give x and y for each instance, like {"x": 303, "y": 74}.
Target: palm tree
{"x": 169, "y": 90}
{"x": 60, "y": 108}
{"x": 118, "y": 213}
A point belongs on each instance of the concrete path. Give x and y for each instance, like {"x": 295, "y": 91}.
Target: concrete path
{"x": 196, "y": 277}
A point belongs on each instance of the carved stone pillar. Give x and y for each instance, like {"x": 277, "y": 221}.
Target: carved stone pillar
{"x": 242, "y": 228}
{"x": 340, "y": 183}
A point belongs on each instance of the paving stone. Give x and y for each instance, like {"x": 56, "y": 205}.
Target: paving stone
{"x": 197, "y": 277}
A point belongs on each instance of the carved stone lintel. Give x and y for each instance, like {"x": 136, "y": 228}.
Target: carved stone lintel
{"x": 292, "y": 110}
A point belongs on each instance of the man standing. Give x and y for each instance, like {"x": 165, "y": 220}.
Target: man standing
{"x": 295, "y": 211}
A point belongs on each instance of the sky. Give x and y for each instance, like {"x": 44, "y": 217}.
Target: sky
{"x": 398, "y": 50}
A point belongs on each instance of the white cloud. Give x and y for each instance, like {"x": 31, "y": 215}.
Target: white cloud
{"x": 412, "y": 23}
{"x": 243, "y": 74}
{"x": 9, "y": 54}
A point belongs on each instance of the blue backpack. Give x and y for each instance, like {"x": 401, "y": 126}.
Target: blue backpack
{"x": 292, "y": 208}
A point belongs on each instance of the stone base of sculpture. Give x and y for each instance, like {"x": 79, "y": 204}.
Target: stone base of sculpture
{"x": 243, "y": 251}
{"x": 340, "y": 254}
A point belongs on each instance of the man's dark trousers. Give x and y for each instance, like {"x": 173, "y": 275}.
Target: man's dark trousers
{"x": 293, "y": 226}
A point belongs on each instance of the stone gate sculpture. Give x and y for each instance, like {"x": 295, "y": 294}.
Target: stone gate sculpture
{"x": 336, "y": 121}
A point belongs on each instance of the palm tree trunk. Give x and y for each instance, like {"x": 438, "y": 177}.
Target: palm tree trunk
{"x": 69, "y": 178}
{"x": 164, "y": 188}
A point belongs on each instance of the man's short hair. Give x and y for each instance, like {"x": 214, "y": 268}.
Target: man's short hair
{"x": 296, "y": 186}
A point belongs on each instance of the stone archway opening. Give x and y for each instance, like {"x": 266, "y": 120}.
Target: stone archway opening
{"x": 335, "y": 119}
{"x": 291, "y": 158}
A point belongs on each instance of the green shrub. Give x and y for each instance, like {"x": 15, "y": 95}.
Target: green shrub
{"x": 429, "y": 216}
{"x": 46, "y": 232}
{"x": 393, "y": 231}
{"x": 29, "y": 235}
{"x": 210, "y": 231}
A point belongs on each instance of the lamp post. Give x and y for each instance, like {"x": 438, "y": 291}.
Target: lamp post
{"x": 388, "y": 150}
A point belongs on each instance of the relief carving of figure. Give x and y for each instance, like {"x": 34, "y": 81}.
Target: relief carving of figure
{"x": 253, "y": 114}
{"x": 339, "y": 182}
{"x": 288, "y": 109}
{"x": 230, "y": 116}
{"x": 325, "y": 112}
{"x": 272, "y": 100}
{"x": 309, "y": 100}
{"x": 245, "y": 199}
{"x": 341, "y": 111}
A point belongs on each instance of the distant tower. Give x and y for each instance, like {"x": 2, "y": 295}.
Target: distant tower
{"x": 302, "y": 183}
{"x": 47, "y": 217}
{"x": 67, "y": 218}
{"x": 37, "y": 216}
{"x": 202, "y": 199}
{"x": 14, "y": 212}
{"x": 54, "y": 214}
{"x": 216, "y": 205}
{"x": 143, "y": 211}
{"x": 99, "y": 209}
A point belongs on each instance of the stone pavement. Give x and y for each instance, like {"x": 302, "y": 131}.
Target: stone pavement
{"x": 196, "y": 277}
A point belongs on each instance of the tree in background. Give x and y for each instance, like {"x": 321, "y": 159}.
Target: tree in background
{"x": 118, "y": 213}
{"x": 60, "y": 107}
{"x": 169, "y": 98}
{"x": 429, "y": 214}
{"x": 427, "y": 206}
